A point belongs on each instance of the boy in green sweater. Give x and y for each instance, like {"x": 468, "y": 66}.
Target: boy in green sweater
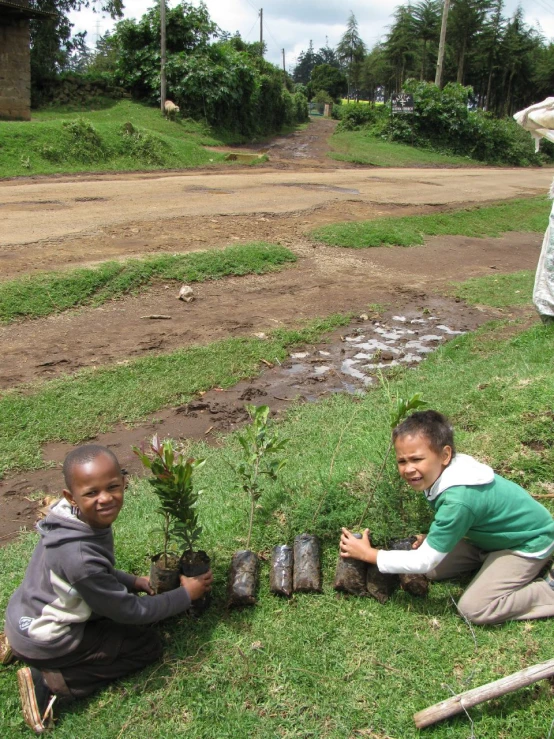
{"x": 482, "y": 522}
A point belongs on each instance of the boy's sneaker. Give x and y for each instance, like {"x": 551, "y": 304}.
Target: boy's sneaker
{"x": 6, "y": 654}
{"x": 36, "y": 700}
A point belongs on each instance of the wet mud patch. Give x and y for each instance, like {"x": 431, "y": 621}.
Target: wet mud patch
{"x": 348, "y": 361}
{"x": 27, "y": 205}
{"x": 315, "y": 186}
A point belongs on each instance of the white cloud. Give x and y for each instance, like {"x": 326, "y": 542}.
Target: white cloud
{"x": 291, "y": 25}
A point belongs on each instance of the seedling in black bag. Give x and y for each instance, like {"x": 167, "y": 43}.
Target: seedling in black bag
{"x": 260, "y": 445}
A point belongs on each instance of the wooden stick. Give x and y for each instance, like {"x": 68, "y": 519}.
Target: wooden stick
{"x": 457, "y": 704}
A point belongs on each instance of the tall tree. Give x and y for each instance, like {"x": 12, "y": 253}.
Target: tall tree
{"x": 51, "y": 42}
{"x": 464, "y": 26}
{"x": 518, "y": 51}
{"x": 350, "y": 52}
{"x": 307, "y": 60}
{"x": 426, "y": 24}
{"x": 401, "y": 45}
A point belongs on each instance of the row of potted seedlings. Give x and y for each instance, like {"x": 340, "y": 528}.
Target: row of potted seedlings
{"x": 293, "y": 569}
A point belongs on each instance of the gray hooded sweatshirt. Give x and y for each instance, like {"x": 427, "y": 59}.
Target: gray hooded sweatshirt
{"x": 70, "y": 580}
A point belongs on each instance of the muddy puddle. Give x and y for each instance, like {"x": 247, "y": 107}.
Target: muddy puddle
{"x": 350, "y": 361}
{"x": 315, "y": 186}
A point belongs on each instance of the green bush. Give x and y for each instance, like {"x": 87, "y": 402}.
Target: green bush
{"x": 144, "y": 146}
{"x": 227, "y": 83}
{"x": 85, "y": 144}
{"x": 443, "y": 121}
{"x": 301, "y": 111}
{"x": 353, "y": 117}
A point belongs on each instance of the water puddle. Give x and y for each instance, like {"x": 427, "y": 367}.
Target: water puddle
{"x": 365, "y": 351}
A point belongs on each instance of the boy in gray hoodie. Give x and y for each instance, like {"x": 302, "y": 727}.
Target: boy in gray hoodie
{"x": 76, "y": 620}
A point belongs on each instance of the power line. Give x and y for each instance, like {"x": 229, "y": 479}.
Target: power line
{"x": 250, "y": 31}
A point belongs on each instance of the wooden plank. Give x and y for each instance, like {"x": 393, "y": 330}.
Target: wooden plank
{"x": 457, "y": 704}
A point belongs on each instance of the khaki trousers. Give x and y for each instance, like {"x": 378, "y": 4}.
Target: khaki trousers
{"x": 504, "y": 589}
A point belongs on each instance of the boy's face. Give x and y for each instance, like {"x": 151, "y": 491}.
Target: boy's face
{"x": 418, "y": 463}
{"x": 97, "y": 489}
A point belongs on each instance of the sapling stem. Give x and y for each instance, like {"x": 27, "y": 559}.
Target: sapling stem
{"x": 375, "y": 484}
{"x": 253, "y": 488}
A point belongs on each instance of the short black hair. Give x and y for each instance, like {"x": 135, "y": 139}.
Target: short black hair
{"x": 82, "y": 455}
{"x": 432, "y": 424}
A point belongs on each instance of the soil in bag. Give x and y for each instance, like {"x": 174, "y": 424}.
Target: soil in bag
{"x": 379, "y": 584}
{"x": 164, "y": 573}
{"x": 350, "y": 575}
{"x": 193, "y": 564}
{"x": 411, "y": 583}
{"x": 280, "y": 573}
{"x": 307, "y": 577}
{"x": 243, "y": 579}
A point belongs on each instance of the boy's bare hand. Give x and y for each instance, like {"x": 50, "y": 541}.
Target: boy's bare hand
{"x": 142, "y": 585}
{"x": 197, "y": 586}
{"x": 420, "y": 538}
{"x": 350, "y": 546}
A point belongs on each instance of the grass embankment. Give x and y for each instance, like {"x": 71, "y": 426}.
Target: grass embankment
{"x": 52, "y": 292}
{"x": 329, "y": 666}
{"x": 56, "y": 141}
{"x": 359, "y": 147}
{"x": 498, "y": 292}
{"x": 92, "y": 401}
{"x": 529, "y": 214}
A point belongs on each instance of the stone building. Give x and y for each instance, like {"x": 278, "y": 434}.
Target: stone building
{"x": 15, "y": 58}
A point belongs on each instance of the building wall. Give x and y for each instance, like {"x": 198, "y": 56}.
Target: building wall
{"x": 15, "y": 70}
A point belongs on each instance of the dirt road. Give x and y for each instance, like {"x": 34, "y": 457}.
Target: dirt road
{"x": 56, "y": 223}
{"x": 51, "y": 209}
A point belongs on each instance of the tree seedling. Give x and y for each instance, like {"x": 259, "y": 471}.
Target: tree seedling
{"x": 400, "y": 408}
{"x": 172, "y": 482}
{"x": 260, "y": 443}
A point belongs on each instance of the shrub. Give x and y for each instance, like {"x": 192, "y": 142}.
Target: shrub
{"x": 322, "y": 96}
{"x": 301, "y": 111}
{"x": 85, "y": 144}
{"x": 442, "y": 121}
{"x": 354, "y": 116}
{"x": 144, "y": 146}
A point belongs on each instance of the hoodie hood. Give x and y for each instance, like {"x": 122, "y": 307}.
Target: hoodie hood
{"x": 61, "y": 525}
{"x": 462, "y": 470}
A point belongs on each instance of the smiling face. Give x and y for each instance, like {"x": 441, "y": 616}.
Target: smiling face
{"x": 97, "y": 488}
{"x": 418, "y": 463}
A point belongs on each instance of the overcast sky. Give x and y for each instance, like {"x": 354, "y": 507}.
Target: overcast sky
{"x": 290, "y": 24}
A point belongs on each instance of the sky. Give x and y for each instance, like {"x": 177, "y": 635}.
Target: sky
{"x": 290, "y": 24}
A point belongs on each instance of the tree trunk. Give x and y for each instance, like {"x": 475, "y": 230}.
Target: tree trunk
{"x": 461, "y": 61}
{"x": 423, "y": 60}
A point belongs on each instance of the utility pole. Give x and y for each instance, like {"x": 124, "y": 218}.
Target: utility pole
{"x": 284, "y": 70}
{"x": 442, "y": 42}
{"x": 163, "y": 82}
{"x": 261, "y": 31}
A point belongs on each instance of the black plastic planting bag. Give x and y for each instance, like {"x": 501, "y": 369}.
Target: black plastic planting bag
{"x": 411, "y": 583}
{"x": 307, "y": 576}
{"x": 280, "y": 574}
{"x": 194, "y": 564}
{"x": 380, "y": 585}
{"x": 164, "y": 574}
{"x": 243, "y": 578}
{"x": 350, "y": 575}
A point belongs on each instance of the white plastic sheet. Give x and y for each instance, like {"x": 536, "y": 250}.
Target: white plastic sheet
{"x": 538, "y": 119}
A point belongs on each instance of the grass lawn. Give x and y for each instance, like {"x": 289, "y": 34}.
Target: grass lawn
{"x": 46, "y": 146}
{"x": 322, "y": 665}
{"x": 529, "y": 214}
{"x": 498, "y": 292}
{"x": 361, "y": 148}
{"x": 53, "y": 292}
